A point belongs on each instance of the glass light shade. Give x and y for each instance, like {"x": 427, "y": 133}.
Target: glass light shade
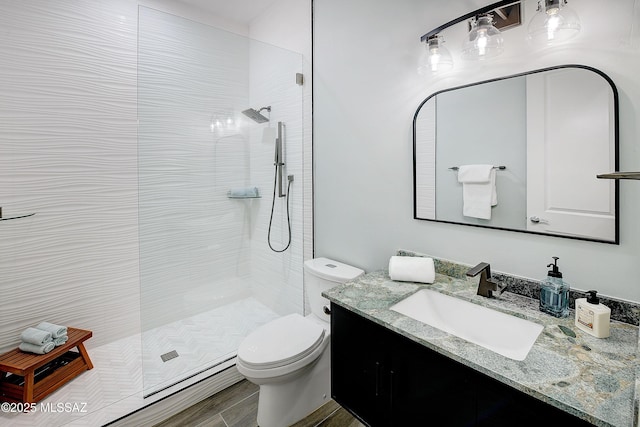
{"x": 484, "y": 40}
{"x": 436, "y": 57}
{"x": 554, "y": 23}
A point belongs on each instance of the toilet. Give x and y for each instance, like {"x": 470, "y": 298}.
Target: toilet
{"x": 289, "y": 358}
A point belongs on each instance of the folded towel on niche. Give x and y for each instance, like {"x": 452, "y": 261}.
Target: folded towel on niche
{"x": 412, "y": 269}
{"x": 60, "y": 340}
{"x": 244, "y": 192}
{"x": 478, "y": 190}
{"x": 35, "y": 336}
{"x": 56, "y": 330}
{"x": 37, "y": 349}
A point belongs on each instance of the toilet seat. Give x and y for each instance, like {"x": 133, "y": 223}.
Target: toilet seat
{"x": 280, "y": 342}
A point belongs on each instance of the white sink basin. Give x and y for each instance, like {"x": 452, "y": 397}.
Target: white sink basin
{"x": 507, "y": 335}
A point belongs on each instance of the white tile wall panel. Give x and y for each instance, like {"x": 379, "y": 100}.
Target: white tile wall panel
{"x": 191, "y": 235}
{"x": 196, "y": 243}
{"x": 277, "y": 277}
{"x": 68, "y": 153}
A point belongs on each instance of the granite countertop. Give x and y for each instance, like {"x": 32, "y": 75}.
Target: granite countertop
{"x": 591, "y": 378}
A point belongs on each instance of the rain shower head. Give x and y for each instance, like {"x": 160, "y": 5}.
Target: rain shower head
{"x": 256, "y": 116}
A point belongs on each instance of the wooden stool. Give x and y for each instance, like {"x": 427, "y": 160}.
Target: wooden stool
{"x": 39, "y": 375}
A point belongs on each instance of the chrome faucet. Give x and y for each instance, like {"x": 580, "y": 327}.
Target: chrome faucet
{"x": 486, "y": 286}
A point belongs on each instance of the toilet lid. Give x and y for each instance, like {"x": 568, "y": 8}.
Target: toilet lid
{"x": 280, "y": 342}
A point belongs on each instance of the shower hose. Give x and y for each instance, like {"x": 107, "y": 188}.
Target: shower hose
{"x": 273, "y": 202}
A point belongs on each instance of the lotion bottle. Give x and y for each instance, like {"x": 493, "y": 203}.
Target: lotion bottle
{"x": 593, "y": 317}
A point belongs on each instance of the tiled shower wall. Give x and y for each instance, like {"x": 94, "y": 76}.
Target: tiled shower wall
{"x": 68, "y": 151}
{"x": 198, "y": 248}
{"x": 192, "y": 79}
{"x": 277, "y": 277}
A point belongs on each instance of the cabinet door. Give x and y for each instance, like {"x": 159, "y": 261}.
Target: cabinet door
{"x": 500, "y": 405}
{"x": 386, "y": 379}
{"x": 428, "y": 389}
{"x": 359, "y": 366}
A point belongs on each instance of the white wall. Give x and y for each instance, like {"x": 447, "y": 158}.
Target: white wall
{"x": 366, "y": 92}
{"x": 68, "y": 151}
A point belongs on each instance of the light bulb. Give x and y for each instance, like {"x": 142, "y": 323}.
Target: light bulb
{"x": 436, "y": 57}
{"x": 484, "y": 40}
{"x": 554, "y": 23}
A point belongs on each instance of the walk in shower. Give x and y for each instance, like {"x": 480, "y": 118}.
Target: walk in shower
{"x": 205, "y": 173}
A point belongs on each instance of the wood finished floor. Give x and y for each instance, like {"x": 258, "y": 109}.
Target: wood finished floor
{"x": 237, "y": 406}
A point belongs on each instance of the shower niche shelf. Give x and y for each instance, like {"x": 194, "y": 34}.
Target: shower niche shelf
{"x": 29, "y": 378}
{"x": 244, "y": 193}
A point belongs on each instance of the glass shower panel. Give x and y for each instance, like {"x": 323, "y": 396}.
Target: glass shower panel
{"x": 200, "y": 250}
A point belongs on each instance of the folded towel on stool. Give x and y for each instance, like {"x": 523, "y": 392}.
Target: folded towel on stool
{"x": 56, "y": 330}
{"x": 412, "y": 269}
{"x": 38, "y": 349}
{"x": 60, "y": 340}
{"x": 35, "y": 336}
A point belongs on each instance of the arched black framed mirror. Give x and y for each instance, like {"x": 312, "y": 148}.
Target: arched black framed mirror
{"x": 547, "y": 133}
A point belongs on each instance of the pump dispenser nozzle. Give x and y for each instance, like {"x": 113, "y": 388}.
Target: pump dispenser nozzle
{"x": 592, "y": 297}
{"x": 554, "y": 272}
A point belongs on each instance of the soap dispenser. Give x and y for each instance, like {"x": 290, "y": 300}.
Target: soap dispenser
{"x": 593, "y": 317}
{"x": 554, "y": 292}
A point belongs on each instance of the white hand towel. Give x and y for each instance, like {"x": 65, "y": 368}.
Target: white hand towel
{"x": 412, "y": 269}
{"x": 474, "y": 173}
{"x": 61, "y": 340}
{"x": 37, "y": 349}
{"x": 56, "y": 330}
{"x": 35, "y": 336}
{"x": 478, "y": 190}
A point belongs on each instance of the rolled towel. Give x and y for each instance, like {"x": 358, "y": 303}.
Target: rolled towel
{"x": 36, "y": 336}
{"x": 244, "y": 192}
{"x": 60, "y": 340}
{"x": 56, "y": 330}
{"x": 37, "y": 349}
{"x": 412, "y": 269}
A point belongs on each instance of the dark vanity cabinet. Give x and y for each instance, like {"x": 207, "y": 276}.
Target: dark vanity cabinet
{"x": 385, "y": 379}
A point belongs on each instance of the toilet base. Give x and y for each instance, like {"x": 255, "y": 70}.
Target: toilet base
{"x": 284, "y": 403}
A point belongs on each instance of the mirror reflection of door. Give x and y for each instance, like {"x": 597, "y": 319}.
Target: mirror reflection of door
{"x": 568, "y": 134}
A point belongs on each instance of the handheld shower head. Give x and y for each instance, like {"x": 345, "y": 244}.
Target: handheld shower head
{"x": 256, "y": 116}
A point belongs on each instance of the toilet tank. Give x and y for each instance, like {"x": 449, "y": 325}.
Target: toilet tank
{"x": 321, "y": 274}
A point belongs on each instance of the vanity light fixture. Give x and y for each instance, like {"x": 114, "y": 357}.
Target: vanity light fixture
{"x": 436, "y": 57}
{"x": 484, "y": 40}
{"x": 554, "y": 22}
